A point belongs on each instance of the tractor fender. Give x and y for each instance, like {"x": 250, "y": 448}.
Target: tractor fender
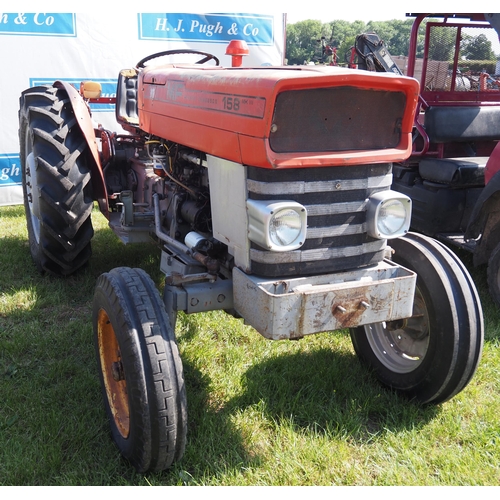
{"x": 484, "y": 221}
{"x": 84, "y": 120}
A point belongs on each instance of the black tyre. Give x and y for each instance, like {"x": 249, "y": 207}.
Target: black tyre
{"x": 56, "y": 181}
{"x": 494, "y": 275}
{"x": 433, "y": 355}
{"x": 140, "y": 370}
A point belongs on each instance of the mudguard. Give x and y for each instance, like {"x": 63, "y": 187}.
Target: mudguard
{"x": 485, "y": 217}
{"x": 84, "y": 120}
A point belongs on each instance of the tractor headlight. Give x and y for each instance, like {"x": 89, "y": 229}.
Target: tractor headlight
{"x": 279, "y": 226}
{"x": 388, "y": 214}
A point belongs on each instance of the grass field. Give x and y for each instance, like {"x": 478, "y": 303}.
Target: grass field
{"x": 260, "y": 412}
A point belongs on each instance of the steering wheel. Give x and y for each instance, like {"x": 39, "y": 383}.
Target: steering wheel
{"x": 205, "y": 59}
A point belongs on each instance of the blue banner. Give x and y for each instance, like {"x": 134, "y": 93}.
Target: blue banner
{"x": 38, "y": 24}
{"x": 216, "y": 28}
{"x": 10, "y": 170}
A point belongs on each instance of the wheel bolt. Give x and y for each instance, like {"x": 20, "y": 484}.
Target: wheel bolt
{"x": 117, "y": 371}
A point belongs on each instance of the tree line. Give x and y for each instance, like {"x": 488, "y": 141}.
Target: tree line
{"x": 306, "y": 40}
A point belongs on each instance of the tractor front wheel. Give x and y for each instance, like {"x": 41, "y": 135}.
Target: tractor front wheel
{"x": 140, "y": 370}
{"x": 432, "y": 355}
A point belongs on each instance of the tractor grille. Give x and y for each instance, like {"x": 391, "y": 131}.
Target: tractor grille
{"x": 335, "y": 199}
{"x": 337, "y": 119}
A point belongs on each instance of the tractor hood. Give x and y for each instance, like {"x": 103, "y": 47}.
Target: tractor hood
{"x": 281, "y": 117}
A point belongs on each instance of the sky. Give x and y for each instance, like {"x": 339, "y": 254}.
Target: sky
{"x": 377, "y": 11}
{"x": 326, "y": 15}
{"x": 296, "y": 10}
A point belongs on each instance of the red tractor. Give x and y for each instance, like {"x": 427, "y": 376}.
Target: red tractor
{"x": 453, "y": 173}
{"x": 268, "y": 193}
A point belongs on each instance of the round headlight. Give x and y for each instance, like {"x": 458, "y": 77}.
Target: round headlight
{"x": 285, "y": 227}
{"x": 392, "y": 217}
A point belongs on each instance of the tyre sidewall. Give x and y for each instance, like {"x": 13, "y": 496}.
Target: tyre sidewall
{"x": 24, "y": 137}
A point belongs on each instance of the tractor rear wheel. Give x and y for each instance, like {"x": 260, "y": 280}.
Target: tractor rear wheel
{"x": 56, "y": 181}
{"x": 432, "y": 355}
{"x": 494, "y": 275}
{"x": 140, "y": 370}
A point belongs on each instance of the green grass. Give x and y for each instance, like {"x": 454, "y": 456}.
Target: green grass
{"x": 260, "y": 412}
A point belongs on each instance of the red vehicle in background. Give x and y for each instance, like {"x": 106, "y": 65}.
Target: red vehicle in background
{"x": 453, "y": 173}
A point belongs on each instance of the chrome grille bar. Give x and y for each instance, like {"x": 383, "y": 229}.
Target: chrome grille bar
{"x": 303, "y": 187}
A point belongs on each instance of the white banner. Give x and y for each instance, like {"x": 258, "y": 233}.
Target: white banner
{"x": 41, "y": 48}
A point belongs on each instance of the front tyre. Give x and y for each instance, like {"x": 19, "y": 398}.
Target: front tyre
{"x": 432, "y": 355}
{"x": 140, "y": 370}
{"x": 56, "y": 181}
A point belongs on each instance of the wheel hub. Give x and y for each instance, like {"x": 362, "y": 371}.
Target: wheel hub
{"x": 401, "y": 345}
{"x": 117, "y": 371}
{"x": 113, "y": 374}
{"x": 32, "y": 195}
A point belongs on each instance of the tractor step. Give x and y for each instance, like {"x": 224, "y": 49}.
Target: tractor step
{"x": 458, "y": 240}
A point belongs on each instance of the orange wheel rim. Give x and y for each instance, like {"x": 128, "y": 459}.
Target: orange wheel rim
{"x": 113, "y": 373}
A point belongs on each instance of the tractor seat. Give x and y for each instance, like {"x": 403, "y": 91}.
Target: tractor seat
{"x": 445, "y": 124}
{"x": 454, "y": 172}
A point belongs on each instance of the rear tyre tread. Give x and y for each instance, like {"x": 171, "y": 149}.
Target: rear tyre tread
{"x": 494, "y": 275}
{"x": 64, "y": 193}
